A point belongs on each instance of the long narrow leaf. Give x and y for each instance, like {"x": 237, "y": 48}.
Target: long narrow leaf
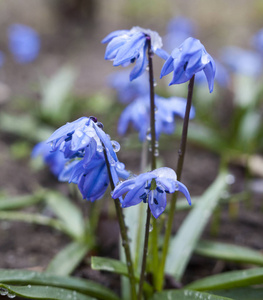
{"x": 242, "y": 293}
{"x": 25, "y": 277}
{"x": 66, "y": 261}
{"x": 41, "y": 292}
{"x": 229, "y": 252}
{"x": 9, "y": 203}
{"x": 34, "y": 219}
{"x": 68, "y": 213}
{"x": 183, "y": 244}
{"x": 229, "y": 280}
{"x": 186, "y": 295}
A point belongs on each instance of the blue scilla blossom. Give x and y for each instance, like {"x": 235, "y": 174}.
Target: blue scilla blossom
{"x": 24, "y": 43}
{"x": 74, "y": 137}
{"x": 1, "y": 59}
{"x": 242, "y": 61}
{"x": 55, "y": 160}
{"x": 128, "y": 90}
{"x": 138, "y": 114}
{"x": 151, "y": 187}
{"x": 222, "y": 76}
{"x": 178, "y": 29}
{"x": 129, "y": 46}
{"x": 91, "y": 174}
{"x": 191, "y": 57}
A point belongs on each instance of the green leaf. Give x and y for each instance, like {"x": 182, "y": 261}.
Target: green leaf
{"x": 229, "y": 280}
{"x": 55, "y": 92}
{"x": 41, "y": 292}
{"x": 34, "y": 219}
{"x": 66, "y": 261}
{"x": 22, "y": 126}
{"x": 9, "y": 203}
{"x": 242, "y": 293}
{"x": 186, "y": 295}
{"x": 68, "y": 213}
{"x": 115, "y": 266}
{"x": 183, "y": 244}
{"x": 25, "y": 277}
{"x": 229, "y": 252}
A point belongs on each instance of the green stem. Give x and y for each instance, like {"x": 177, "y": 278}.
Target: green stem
{"x": 123, "y": 231}
{"x": 179, "y": 169}
{"x": 153, "y": 163}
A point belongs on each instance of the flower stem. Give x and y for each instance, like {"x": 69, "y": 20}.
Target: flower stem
{"x": 123, "y": 231}
{"x": 179, "y": 169}
{"x": 153, "y": 164}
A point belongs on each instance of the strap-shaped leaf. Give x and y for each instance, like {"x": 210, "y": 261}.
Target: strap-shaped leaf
{"x": 66, "y": 261}
{"x": 41, "y": 292}
{"x": 242, "y": 293}
{"x": 229, "y": 280}
{"x": 8, "y": 203}
{"x": 229, "y": 252}
{"x": 87, "y": 287}
{"x": 186, "y": 295}
{"x": 183, "y": 244}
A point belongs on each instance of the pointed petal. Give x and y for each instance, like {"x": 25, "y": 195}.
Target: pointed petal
{"x": 210, "y": 71}
{"x": 133, "y": 196}
{"x": 161, "y": 53}
{"x": 123, "y": 188}
{"x": 167, "y": 67}
{"x": 140, "y": 65}
{"x": 114, "y": 34}
{"x": 158, "y": 204}
{"x": 183, "y": 189}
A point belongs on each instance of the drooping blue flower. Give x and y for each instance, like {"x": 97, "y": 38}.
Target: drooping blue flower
{"x": 178, "y": 29}
{"x": 188, "y": 59}
{"x": 151, "y": 187}
{"x": 24, "y": 43}
{"x": 91, "y": 174}
{"x": 242, "y": 61}
{"x": 138, "y": 114}
{"x": 127, "y": 46}
{"x": 129, "y": 90}
{"x": 73, "y": 138}
{"x": 55, "y": 160}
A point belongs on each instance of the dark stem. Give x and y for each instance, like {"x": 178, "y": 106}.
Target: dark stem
{"x": 179, "y": 169}
{"x": 153, "y": 164}
{"x": 123, "y": 231}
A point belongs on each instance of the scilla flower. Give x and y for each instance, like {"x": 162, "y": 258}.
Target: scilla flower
{"x": 188, "y": 59}
{"x": 129, "y": 46}
{"x": 24, "y": 43}
{"x": 138, "y": 114}
{"x": 151, "y": 187}
{"x": 73, "y": 138}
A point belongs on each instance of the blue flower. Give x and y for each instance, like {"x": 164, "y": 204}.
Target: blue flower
{"x": 91, "y": 174}
{"x": 242, "y": 61}
{"x": 185, "y": 61}
{"x": 138, "y": 113}
{"x": 257, "y": 40}
{"x": 127, "y": 46}
{"x": 1, "y": 59}
{"x": 55, "y": 160}
{"x": 178, "y": 29}
{"x": 24, "y": 43}
{"x": 129, "y": 90}
{"x": 151, "y": 187}
{"x": 74, "y": 138}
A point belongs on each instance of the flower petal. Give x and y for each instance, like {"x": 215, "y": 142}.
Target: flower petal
{"x": 157, "y": 203}
{"x": 183, "y": 189}
{"x": 133, "y": 197}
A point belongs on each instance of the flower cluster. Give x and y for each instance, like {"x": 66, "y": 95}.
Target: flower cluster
{"x": 138, "y": 113}
{"x": 127, "y": 46}
{"x": 151, "y": 187}
{"x": 85, "y": 150}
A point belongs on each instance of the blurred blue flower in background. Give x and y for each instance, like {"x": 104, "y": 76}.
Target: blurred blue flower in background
{"x": 152, "y": 187}
{"x": 54, "y": 160}
{"x": 188, "y": 59}
{"x": 129, "y": 46}
{"x": 257, "y": 41}
{"x": 178, "y": 29}
{"x": 1, "y": 59}
{"x": 24, "y": 43}
{"x": 129, "y": 90}
{"x": 242, "y": 61}
{"x": 138, "y": 113}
